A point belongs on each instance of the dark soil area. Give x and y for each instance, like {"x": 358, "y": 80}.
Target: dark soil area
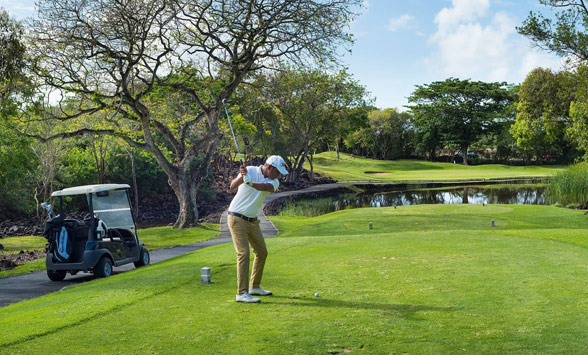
{"x": 10, "y": 261}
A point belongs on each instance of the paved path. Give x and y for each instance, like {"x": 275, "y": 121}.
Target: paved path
{"x": 22, "y": 287}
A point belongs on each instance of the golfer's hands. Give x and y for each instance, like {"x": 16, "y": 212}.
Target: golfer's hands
{"x": 246, "y": 177}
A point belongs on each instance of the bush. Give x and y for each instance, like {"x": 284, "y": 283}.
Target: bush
{"x": 570, "y": 186}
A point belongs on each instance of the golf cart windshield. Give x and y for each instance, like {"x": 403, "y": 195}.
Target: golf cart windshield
{"x": 113, "y": 208}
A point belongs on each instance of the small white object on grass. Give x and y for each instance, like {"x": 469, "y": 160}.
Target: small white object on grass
{"x": 316, "y": 294}
{"x": 205, "y": 275}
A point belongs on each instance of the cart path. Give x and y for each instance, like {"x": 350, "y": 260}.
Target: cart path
{"x": 18, "y": 288}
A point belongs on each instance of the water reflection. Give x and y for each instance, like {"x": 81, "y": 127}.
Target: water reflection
{"x": 531, "y": 195}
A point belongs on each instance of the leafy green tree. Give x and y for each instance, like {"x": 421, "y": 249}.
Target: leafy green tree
{"x": 12, "y": 63}
{"x": 460, "y": 111}
{"x": 103, "y": 54}
{"x": 578, "y": 128}
{"x": 17, "y": 164}
{"x": 566, "y": 34}
{"x": 389, "y": 134}
{"x": 543, "y": 112}
{"x": 428, "y": 136}
{"x": 301, "y": 109}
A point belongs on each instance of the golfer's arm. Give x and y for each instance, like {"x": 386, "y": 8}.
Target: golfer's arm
{"x": 236, "y": 182}
{"x": 262, "y": 186}
{"x": 259, "y": 186}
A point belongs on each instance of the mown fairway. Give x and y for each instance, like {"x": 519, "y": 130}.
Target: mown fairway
{"x": 426, "y": 279}
{"x": 350, "y": 168}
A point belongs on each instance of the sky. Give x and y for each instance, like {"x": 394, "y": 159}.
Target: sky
{"x": 403, "y": 43}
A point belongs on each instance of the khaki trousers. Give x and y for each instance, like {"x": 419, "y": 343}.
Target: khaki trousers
{"x": 243, "y": 234}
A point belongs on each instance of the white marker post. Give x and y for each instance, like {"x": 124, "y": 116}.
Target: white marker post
{"x": 205, "y": 275}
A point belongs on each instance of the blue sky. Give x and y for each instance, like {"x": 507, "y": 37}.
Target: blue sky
{"x": 403, "y": 43}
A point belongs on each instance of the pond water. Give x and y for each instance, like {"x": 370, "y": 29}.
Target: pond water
{"x": 487, "y": 194}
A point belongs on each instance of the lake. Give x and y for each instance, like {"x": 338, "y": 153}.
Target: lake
{"x": 486, "y": 194}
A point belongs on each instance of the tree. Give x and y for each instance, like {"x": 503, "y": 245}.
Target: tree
{"x": 578, "y": 128}
{"x": 306, "y": 107}
{"x": 566, "y": 36}
{"x": 428, "y": 136}
{"x": 461, "y": 110}
{"x": 389, "y": 134}
{"x": 114, "y": 56}
{"x": 17, "y": 166}
{"x": 543, "y": 112}
{"x": 562, "y": 36}
{"x": 12, "y": 63}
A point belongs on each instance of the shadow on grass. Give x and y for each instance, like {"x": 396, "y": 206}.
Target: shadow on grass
{"x": 391, "y": 309}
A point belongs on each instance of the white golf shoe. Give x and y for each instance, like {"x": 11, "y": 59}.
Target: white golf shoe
{"x": 259, "y": 291}
{"x": 246, "y": 297}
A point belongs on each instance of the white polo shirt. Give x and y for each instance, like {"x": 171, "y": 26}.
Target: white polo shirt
{"x": 248, "y": 200}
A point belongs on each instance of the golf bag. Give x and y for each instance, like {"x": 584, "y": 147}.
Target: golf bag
{"x": 57, "y": 235}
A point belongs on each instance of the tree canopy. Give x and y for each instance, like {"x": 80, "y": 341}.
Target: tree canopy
{"x": 459, "y": 111}
{"x": 543, "y": 112}
{"x": 566, "y": 35}
{"x": 296, "y": 110}
{"x": 12, "y": 62}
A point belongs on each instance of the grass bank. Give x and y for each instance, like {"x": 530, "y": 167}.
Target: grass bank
{"x": 154, "y": 238}
{"x": 426, "y": 279}
{"x": 351, "y": 168}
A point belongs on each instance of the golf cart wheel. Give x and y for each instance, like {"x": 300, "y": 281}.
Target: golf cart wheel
{"x": 103, "y": 268}
{"x": 144, "y": 258}
{"x": 56, "y": 275}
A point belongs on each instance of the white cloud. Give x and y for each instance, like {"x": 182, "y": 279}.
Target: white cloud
{"x": 398, "y": 23}
{"x": 462, "y": 11}
{"x": 473, "y": 42}
{"x": 534, "y": 59}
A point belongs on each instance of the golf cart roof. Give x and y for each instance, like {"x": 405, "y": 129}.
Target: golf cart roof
{"x": 88, "y": 189}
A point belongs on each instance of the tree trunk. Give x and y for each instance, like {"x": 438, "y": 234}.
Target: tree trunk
{"x": 465, "y": 198}
{"x": 135, "y": 188}
{"x": 301, "y": 164}
{"x": 186, "y": 195}
{"x": 309, "y": 157}
{"x": 464, "y": 152}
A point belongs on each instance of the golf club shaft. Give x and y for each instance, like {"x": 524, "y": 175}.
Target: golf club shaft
{"x": 232, "y": 132}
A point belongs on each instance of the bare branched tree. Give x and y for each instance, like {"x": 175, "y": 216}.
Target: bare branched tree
{"x": 166, "y": 66}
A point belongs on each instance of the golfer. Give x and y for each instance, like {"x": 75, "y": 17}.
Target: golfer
{"x": 254, "y": 183}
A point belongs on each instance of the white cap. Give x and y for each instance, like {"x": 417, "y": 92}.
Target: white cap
{"x": 278, "y": 163}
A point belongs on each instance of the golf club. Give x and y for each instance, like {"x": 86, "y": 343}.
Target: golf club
{"x": 232, "y": 132}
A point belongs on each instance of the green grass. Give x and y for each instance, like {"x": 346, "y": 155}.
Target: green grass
{"x": 351, "y": 168}
{"x": 154, "y": 238}
{"x": 427, "y": 279}
{"x": 27, "y": 243}
{"x": 167, "y": 237}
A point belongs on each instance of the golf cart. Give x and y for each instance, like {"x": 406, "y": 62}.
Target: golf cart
{"x": 106, "y": 237}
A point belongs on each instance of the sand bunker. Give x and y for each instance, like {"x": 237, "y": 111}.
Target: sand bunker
{"x": 377, "y": 173}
